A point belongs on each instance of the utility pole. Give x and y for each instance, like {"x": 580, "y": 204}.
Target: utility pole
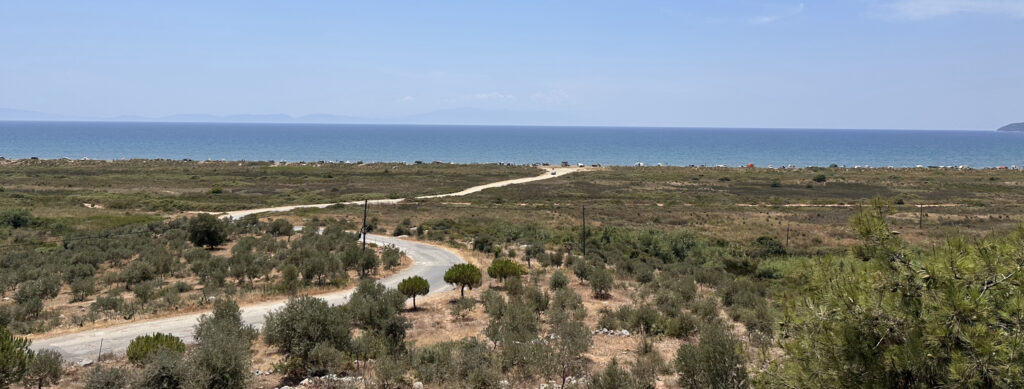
{"x": 365, "y": 205}
{"x": 787, "y": 236}
{"x": 99, "y": 353}
{"x": 920, "y": 216}
{"x": 584, "y": 231}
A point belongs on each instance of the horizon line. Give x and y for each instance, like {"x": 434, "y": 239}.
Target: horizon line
{"x": 602, "y": 126}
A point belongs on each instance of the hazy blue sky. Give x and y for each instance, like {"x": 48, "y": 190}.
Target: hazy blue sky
{"x": 941, "y": 64}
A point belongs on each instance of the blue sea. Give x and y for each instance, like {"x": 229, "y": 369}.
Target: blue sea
{"x": 513, "y": 144}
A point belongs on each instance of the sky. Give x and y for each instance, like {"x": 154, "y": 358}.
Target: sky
{"x": 891, "y": 64}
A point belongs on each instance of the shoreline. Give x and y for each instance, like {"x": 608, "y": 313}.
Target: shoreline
{"x": 542, "y": 165}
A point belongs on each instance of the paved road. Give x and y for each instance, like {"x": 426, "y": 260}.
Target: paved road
{"x": 558, "y": 172}
{"x": 429, "y": 262}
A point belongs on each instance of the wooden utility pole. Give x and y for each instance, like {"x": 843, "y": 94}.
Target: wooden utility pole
{"x": 99, "y": 354}
{"x": 920, "y": 216}
{"x": 584, "y": 231}
{"x": 365, "y": 205}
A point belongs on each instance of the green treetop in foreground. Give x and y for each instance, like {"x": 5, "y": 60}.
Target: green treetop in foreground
{"x": 414, "y": 286}
{"x": 464, "y": 275}
{"x": 892, "y": 316}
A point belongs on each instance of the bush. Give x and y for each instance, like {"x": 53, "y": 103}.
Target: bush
{"x": 505, "y": 268}
{"x": 390, "y": 256}
{"x": 403, "y": 228}
{"x": 281, "y": 227}
{"x": 462, "y": 307}
{"x": 558, "y": 280}
{"x": 601, "y": 282}
{"x": 107, "y": 378}
{"x": 82, "y": 288}
{"x": 163, "y": 369}
{"x": 45, "y": 369}
{"x": 767, "y": 246}
{"x": 145, "y": 291}
{"x": 222, "y": 356}
{"x": 820, "y": 178}
{"x": 15, "y": 218}
{"x": 715, "y": 362}
{"x": 15, "y": 357}
{"x": 682, "y": 326}
{"x": 325, "y": 359}
{"x": 301, "y": 325}
{"x": 142, "y": 347}
{"x": 582, "y": 269}
{"x": 206, "y": 230}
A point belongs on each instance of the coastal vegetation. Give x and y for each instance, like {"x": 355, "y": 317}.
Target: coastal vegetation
{"x": 682, "y": 277}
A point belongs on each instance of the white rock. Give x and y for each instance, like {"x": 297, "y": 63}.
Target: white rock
{"x": 417, "y": 385}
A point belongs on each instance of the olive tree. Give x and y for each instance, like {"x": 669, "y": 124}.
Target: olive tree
{"x": 206, "y": 230}
{"x": 44, "y": 370}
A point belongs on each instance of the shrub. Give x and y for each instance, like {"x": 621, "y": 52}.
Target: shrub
{"x": 223, "y": 353}
{"x": 45, "y": 369}
{"x": 15, "y": 357}
{"x": 705, "y": 308}
{"x": 325, "y": 359}
{"x": 682, "y": 326}
{"x": 615, "y": 377}
{"x": 536, "y": 299}
{"x": 281, "y": 227}
{"x": 390, "y": 256}
{"x": 484, "y": 243}
{"x": 767, "y": 246}
{"x": 301, "y": 325}
{"x": 820, "y": 178}
{"x": 15, "y": 218}
{"x": 462, "y": 307}
{"x": 206, "y": 230}
{"x": 163, "y": 369}
{"x": 715, "y": 362}
{"x": 403, "y": 228}
{"x": 582, "y": 269}
{"x": 142, "y": 347}
{"x": 107, "y": 378}
{"x": 505, "y": 268}
{"x": 145, "y": 291}
{"x": 601, "y": 282}
{"x": 82, "y": 288}
{"x": 558, "y": 280}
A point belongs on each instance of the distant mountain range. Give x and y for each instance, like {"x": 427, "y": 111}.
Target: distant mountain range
{"x": 456, "y": 116}
{"x": 1012, "y": 127}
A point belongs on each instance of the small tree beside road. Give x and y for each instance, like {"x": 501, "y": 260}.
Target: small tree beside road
{"x": 464, "y": 275}
{"x": 414, "y": 286}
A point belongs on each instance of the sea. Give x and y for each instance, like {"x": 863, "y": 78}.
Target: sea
{"x": 510, "y": 144}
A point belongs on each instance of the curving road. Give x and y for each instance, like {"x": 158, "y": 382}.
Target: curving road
{"x": 429, "y": 262}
